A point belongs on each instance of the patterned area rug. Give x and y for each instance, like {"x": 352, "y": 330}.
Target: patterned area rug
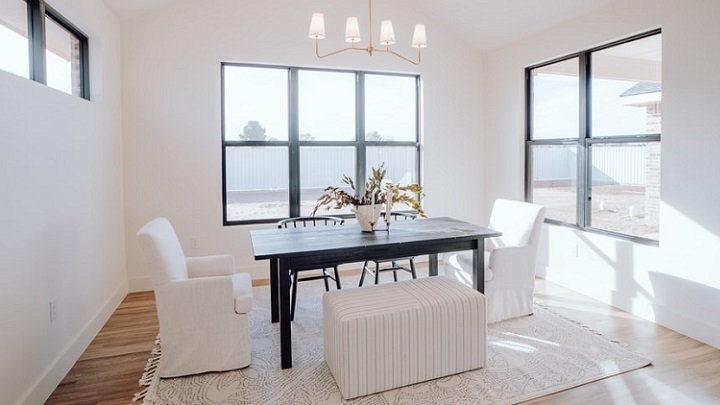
{"x": 528, "y": 357}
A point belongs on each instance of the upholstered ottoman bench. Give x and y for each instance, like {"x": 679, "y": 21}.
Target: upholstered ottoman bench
{"x": 387, "y": 336}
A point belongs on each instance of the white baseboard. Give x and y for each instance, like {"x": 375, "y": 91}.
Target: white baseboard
{"x": 138, "y": 284}
{"x": 703, "y": 330}
{"x": 698, "y": 330}
{"x": 44, "y": 386}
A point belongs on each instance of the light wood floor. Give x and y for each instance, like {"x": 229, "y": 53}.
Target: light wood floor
{"x": 684, "y": 371}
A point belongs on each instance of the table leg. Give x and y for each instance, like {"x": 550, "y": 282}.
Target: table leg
{"x": 433, "y": 264}
{"x": 479, "y": 266}
{"x": 284, "y": 292}
{"x": 274, "y": 289}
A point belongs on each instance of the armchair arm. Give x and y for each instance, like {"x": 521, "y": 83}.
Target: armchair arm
{"x": 203, "y": 301}
{"x": 208, "y": 266}
{"x": 512, "y": 264}
{"x": 242, "y": 290}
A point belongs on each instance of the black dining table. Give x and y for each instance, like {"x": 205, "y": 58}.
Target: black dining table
{"x": 318, "y": 247}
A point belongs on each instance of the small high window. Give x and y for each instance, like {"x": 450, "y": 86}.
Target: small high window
{"x": 38, "y": 43}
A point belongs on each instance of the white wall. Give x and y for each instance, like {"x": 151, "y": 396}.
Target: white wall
{"x": 61, "y": 214}
{"x": 171, "y": 100}
{"x": 677, "y": 284}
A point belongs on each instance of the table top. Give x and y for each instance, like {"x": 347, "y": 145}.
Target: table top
{"x": 297, "y": 242}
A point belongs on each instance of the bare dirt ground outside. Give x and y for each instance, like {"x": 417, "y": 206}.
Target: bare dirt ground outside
{"x": 616, "y": 208}
{"x": 249, "y": 205}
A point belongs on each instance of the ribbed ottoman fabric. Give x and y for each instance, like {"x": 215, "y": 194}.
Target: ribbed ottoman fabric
{"x": 387, "y": 336}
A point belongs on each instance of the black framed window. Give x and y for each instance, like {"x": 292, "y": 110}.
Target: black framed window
{"x": 593, "y": 138}
{"x": 288, "y": 132}
{"x": 40, "y": 44}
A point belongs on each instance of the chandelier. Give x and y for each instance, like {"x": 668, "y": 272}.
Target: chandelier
{"x": 352, "y": 36}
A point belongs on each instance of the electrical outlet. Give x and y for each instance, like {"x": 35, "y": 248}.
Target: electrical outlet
{"x": 53, "y": 310}
{"x": 194, "y": 243}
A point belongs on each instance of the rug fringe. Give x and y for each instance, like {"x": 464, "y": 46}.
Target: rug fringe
{"x": 151, "y": 370}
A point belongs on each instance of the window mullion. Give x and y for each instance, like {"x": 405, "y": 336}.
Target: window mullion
{"x": 360, "y": 150}
{"x": 85, "y": 68}
{"x": 584, "y": 192}
{"x": 418, "y": 121}
{"x": 528, "y": 134}
{"x": 294, "y": 147}
{"x": 36, "y": 32}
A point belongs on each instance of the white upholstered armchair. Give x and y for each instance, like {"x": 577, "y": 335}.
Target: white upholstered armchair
{"x": 509, "y": 260}
{"x": 202, "y": 305}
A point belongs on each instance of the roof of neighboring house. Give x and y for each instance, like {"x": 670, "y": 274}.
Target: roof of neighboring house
{"x": 642, "y": 88}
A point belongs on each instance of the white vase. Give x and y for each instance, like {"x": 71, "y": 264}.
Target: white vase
{"x": 367, "y": 216}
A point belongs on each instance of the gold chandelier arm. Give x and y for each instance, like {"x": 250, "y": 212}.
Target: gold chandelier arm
{"x": 350, "y": 48}
{"x": 388, "y": 50}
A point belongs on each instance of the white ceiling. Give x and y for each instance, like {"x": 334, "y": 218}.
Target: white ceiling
{"x": 484, "y": 24}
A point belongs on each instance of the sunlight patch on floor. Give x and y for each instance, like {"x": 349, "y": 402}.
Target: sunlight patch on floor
{"x": 546, "y": 342}
{"x": 515, "y": 346}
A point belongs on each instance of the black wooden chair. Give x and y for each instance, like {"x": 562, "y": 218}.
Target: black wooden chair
{"x": 305, "y": 222}
{"x": 394, "y": 264}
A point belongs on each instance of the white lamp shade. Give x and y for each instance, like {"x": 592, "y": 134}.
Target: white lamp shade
{"x": 352, "y": 30}
{"x": 317, "y": 26}
{"x": 387, "y": 33}
{"x": 419, "y": 38}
